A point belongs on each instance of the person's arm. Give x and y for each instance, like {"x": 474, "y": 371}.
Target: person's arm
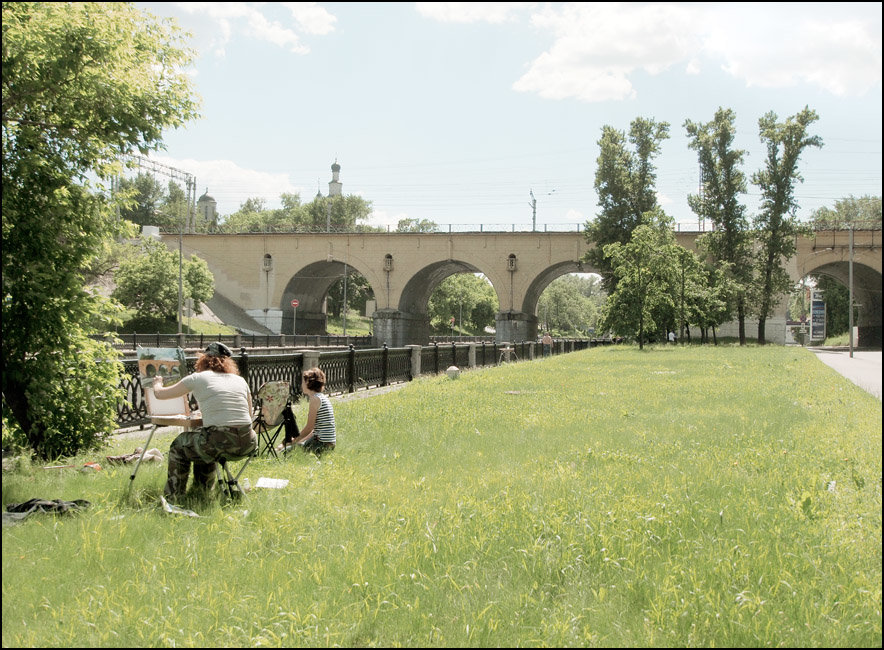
{"x": 307, "y": 431}
{"x": 177, "y": 389}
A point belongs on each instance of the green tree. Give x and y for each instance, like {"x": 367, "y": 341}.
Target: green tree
{"x": 625, "y": 182}
{"x": 730, "y": 242}
{"x": 251, "y": 217}
{"x": 142, "y": 198}
{"x": 645, "y": 272}
{"x": 467, "y": 298}
{"x": 148, "y": 283}
{"x": 776, "y": 224}
{"x": 417, "y": 225}
{"x": 83, "y": 83}
{"x": 858, "y": 213}
{"x": 837, "y": 297}
{"x": 566, "y": 307}
{"x": 359, "y": 291}
{"x": 174, "y": 210}
{"x": 339, "y": 213}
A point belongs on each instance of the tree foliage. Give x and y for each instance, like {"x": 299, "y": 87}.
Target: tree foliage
{"x": 416, "y": 225}
{"x": 570, "y": 305}
{"x": 625, "y": 181}
{"x": 148, "y": 282}
{"x": 337, "y": 213}
{"x": 730, "y": 242}
{"x": 358, "y": 291}
{"x": 856, "y": 213}
{"x": 776, "y": 224}
{"x": 83, "y": 83}
{"x": 645, "y": 272}
{"x": 467, "y": 298}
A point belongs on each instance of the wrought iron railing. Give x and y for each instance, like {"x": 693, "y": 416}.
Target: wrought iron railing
{"x": 346, "y": 371}
{"x": 129, "y": 343}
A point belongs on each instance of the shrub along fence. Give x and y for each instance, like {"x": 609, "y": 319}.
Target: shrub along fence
{"x": 349, "y": 370}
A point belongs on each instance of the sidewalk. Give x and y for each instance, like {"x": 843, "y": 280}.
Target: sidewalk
{"x": 864, "y": 369}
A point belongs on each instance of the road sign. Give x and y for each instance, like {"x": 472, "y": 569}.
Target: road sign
{"x": 295, "y": 303}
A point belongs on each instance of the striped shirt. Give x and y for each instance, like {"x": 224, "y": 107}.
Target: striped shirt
{"x": 324, "y": 429}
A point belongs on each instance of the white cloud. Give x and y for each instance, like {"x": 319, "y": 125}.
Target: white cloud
{"x": 248, "y": 19}
{"x": 839, "y": 52}
{"x": 312, "y": 18}
{"x": 230, "y": 185}
{"x": 598, "y": 46}
{"x": 471, "y": 12}
{"x": 385, "y": 220}
{"x": 574, "y": 216}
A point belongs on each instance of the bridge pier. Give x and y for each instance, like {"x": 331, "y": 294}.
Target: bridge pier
{"x": 398, "y": 329}
{"x": 515, "y": 327}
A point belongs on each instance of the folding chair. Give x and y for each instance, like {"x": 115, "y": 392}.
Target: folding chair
{"x": 230, "y": 485}
{"x": 271, "y": 399}
{"x": 175, "y": 412}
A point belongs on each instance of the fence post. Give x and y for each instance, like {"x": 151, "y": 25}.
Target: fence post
{"x": 351, "y": 370}
{"x": 435, "y": 357}
{"x": 384, "y": 374}
{"x": 471, "y": 355}
{"x": 415, "y": 361}
{"x": 310, "y": 359}
{"x": 134, "y": 341}
{"x": 243, "y": 364}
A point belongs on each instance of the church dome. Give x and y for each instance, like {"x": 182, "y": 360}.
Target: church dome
{"x": 205, "y": 198}
{"x": 336, "y": 167}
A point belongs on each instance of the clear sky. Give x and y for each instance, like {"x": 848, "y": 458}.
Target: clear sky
{"x": 454, "y": 112}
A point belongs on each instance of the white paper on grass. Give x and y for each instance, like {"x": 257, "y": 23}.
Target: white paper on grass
{"x": 275, "y": 483}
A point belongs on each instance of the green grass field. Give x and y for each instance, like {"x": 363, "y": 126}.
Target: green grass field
{"x": 680, "y": 496}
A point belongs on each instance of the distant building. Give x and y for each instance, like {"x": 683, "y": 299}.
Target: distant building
{"x": 206, "y": 212}
{"x": 335, "y": 186}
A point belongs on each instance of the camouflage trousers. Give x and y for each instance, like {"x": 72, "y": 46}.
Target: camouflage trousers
{"x": 203, "y": 446}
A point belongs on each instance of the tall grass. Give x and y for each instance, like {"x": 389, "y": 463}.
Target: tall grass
{"x": 671, "y": 497}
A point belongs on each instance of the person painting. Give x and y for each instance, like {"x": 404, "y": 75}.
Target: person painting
{"x": 226, "y": 406}
{"x": 318, "y": 435}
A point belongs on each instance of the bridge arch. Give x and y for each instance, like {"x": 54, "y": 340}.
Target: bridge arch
{"x": 866, "y": 294}
{"x": 310, "y": 285}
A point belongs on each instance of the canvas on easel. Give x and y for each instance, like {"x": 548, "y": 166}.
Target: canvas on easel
{"x": 170, "y": 364}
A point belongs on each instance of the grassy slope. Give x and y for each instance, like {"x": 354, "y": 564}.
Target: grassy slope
{"x": 680, "y": 496}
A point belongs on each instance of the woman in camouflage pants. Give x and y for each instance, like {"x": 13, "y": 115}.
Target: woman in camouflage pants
{"x": 226, "y": 406}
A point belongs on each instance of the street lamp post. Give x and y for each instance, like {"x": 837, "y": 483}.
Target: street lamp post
{"x": 850, "y": 289}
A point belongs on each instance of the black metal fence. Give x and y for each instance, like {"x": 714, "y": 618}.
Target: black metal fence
{"x": 350, "y": 370}
{"x": 131, "y": 342}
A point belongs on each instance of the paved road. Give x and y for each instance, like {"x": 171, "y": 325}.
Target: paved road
{"x": 864, "y": 369}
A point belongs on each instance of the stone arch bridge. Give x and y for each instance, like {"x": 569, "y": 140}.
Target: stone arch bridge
{"x": 257, "y": 275}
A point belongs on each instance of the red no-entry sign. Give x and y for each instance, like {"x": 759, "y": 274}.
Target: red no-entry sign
{"x": 295, "y": 303}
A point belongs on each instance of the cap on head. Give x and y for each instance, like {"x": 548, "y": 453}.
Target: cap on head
{"x": 218, "y": 349}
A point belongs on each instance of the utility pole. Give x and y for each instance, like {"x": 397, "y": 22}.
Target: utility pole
{"x": 850, "y": 290}
{"x": 533, "y": 204}
{"x": 187, "y": 220}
